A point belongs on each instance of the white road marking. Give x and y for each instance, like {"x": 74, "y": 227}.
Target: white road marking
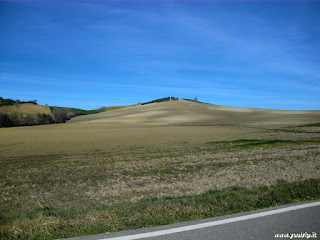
{"x": 215, "y": 223}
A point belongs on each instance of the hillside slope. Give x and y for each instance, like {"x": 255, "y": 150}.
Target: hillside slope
{"x": 184, "y": 112}
{"x": 27, "y": 108}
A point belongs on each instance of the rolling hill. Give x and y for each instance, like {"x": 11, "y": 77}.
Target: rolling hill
{"x": 184, "y": 112}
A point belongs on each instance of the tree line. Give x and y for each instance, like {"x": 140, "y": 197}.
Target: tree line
{"x": 166, "y": 99}
{"x": 19, "y": 119}
{"x": 9, "y": 101}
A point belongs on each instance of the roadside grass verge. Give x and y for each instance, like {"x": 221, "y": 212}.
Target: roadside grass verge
{"x": 49, "y": 222}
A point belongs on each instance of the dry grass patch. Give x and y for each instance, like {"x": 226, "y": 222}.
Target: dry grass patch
{"x": 27, "y": 108}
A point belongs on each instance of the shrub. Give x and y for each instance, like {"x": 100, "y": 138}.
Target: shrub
{"x": 44, "y": 119}
{"x": 5, "y": 120}
{"x": 60, "y": 116}
{"x": 70, "y": 115}
{"x": 6, "y": 101}
{"x": 16, "y": 118}
{"x": 28, "y": 120}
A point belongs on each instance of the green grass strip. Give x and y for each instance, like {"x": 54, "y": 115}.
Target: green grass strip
{"x": 252, "y": 143}
{"x": 50, "y": 223}
{"x": 310, "y": 125}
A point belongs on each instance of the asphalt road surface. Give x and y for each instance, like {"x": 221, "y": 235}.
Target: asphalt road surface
{"x": 301, "y": 218}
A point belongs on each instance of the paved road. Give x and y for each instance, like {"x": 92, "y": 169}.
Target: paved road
{"x": 260, "y": 224}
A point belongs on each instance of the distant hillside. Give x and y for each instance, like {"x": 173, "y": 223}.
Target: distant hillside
{"x": 25, "y": 114}
{"x": 190, "y": 112}
{"x": 92, "y": 111}
{"x": 21, "y": 113}
{"x": 163, "y": 111}
{"x": 27, "y": 108}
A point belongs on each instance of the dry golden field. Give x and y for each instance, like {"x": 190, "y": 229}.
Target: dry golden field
{"x": 26, "y": 108}
{"x": 161, "y": 149}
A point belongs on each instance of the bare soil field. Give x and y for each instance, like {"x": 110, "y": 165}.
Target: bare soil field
{"x": 162, "y": 149}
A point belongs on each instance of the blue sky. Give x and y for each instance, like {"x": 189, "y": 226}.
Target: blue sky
{"x": 101, "y": 53}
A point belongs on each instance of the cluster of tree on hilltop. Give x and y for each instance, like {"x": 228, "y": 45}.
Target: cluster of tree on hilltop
{"x": 9, "y": 101}
{"x": 166, "y": 99}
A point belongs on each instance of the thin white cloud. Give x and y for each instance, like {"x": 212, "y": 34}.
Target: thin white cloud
{"x": 199, "y": 90}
